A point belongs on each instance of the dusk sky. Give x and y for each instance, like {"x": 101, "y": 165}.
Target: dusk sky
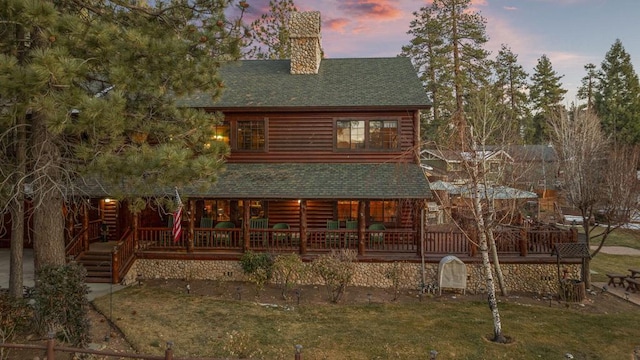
{"x": 571, "y": 33}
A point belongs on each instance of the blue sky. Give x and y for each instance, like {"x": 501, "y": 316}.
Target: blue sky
{"x": 571, "y": 33}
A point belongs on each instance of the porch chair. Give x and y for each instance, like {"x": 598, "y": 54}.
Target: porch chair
{"x": 351, "y": 225}
{"x": 220, "y": 237}
{"x": 377, "y": 237}
{"x": 332, "y": 237}
{"x": 204, "y": 237}
{"x": 260, "y": 235}
{"x": 166, "y": 237}
{"x": 280, "y": 237}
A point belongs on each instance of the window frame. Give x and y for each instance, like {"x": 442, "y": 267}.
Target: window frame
{"x": 236, "y": 138}
{"x": 367, "y": 134}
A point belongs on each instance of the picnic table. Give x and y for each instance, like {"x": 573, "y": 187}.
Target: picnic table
{"x": 633, "y": 281}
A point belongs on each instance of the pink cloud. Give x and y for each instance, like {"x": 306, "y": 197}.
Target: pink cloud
{"x": 378, "y": 9}
{"x": 337, "y": 25}
{"x": 510, "y": 8}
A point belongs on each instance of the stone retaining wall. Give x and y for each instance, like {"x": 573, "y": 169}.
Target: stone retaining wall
{"x": 535, "y": 278}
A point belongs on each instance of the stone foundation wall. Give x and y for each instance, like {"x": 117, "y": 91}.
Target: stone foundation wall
{"x": 535, "y": 278}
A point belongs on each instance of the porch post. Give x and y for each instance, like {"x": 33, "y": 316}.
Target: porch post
{"x": 362, "y": 224}
{"x": 136, "y": 225}
{"x": 303, "y": 227}
{"x": 190, "y": 234}
{"x": 245, "y": 224}
{"x": 85, "y": 225}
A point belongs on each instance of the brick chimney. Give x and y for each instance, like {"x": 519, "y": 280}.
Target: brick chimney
{"x": 304, "y": 34}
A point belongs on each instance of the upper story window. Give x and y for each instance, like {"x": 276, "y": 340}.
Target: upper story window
{"x": 367, "y": 134}
{"x": 251, "y": 135}
{"x": 383, "y": 134}
{"x": 350, "y": 134}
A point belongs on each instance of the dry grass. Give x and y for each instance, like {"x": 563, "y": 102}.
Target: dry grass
{"x": 204, "y": 326}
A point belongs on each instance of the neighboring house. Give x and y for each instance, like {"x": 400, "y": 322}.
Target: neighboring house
{"x": 449, "y": 165}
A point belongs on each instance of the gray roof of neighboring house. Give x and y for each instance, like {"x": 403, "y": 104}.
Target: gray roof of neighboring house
{"x": 357, "y": 82}
{"x": 308, "y": 181}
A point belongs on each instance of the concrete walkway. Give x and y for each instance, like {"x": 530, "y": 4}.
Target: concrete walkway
{"x": 95, "y": 290}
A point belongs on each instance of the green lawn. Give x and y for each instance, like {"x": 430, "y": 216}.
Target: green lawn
{"x": 201, "y": 326}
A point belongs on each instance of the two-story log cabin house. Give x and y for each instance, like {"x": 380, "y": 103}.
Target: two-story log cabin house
{"x": 324, "y": 155}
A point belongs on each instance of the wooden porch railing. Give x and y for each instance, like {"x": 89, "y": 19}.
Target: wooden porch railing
{"x": 509, "y": 241}
{"x": 122, "y": 256}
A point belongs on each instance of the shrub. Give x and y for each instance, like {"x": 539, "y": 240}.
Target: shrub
{"x": 394, "y": 273}
{"x": 287, "y": 270}
{"x": 61, "y": 303}
{"x": 336, "y": 269}
{"x": 14, "y": 317}
{"x": 258, "y": 267}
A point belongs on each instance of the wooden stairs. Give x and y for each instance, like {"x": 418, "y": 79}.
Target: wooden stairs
{"x": 98, "y": 265}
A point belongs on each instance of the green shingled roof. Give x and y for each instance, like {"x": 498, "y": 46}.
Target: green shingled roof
{"x": 321, "y": 181}
{"x": 358, "y": 82}
{"x": 308, "y": 181}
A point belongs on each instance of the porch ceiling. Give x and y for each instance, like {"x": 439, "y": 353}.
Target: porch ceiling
{"x": 318, "y": 181}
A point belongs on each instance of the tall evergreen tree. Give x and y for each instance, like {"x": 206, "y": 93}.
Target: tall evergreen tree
{"x": 88, "y": 89}
{"x": 588, "y": 87}
{"x": 269, "y": 34}
{"x": 455, "y": 35}
{"x": 617, "y": 96}
{"x": 546, "y": 95}
{"x": 429, "y": 55}
{"x": 510, "y": 86}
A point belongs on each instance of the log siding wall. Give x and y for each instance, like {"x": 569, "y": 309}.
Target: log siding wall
{"x": 296, "y": 138}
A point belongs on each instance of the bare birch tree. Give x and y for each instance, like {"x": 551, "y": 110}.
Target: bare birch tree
{"x": 600, "y": 179}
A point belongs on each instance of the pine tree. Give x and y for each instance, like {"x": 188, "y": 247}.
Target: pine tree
{"x": 269, "y": 34}
{"x": 448, "y": 45}
{"x": 617, "y": 96}
{"x": 430, "y": 58}
{"x": 546, "y": 95}
{"x": 588, "y": 87}
{"x": 88, "y": 90}
{"x": 510, "y": 85}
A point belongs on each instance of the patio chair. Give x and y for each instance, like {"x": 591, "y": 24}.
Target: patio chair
{"x": 376, "y": 237}
{"x": 203, "y": 237}
{"x": 332, "y": 237}
{"x": 223, "y": 237}
{"x": 260, "y": 235}
{"x": 352, "y": 235}
{"x": 280, "y": 237}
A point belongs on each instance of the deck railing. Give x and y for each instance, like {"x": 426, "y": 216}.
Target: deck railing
{"x": 509, "y": 241}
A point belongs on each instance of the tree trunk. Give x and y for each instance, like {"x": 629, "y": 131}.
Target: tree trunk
{"x": 494, "y": 251}
{"x": 16, "y": 272}
{"x": 486, "y": 264}
{"x": 496, "y": 264}
{"x": 48, "y": 224}
{"x": 48, "y": 219}
{"x": 16, "y": 280}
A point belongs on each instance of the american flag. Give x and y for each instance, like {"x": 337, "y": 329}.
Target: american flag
{"x": 177, "y": 220}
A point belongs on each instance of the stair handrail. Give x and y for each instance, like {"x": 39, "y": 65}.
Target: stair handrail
{"x": 122, "y": 256}
{"x": 75, "y": 246}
